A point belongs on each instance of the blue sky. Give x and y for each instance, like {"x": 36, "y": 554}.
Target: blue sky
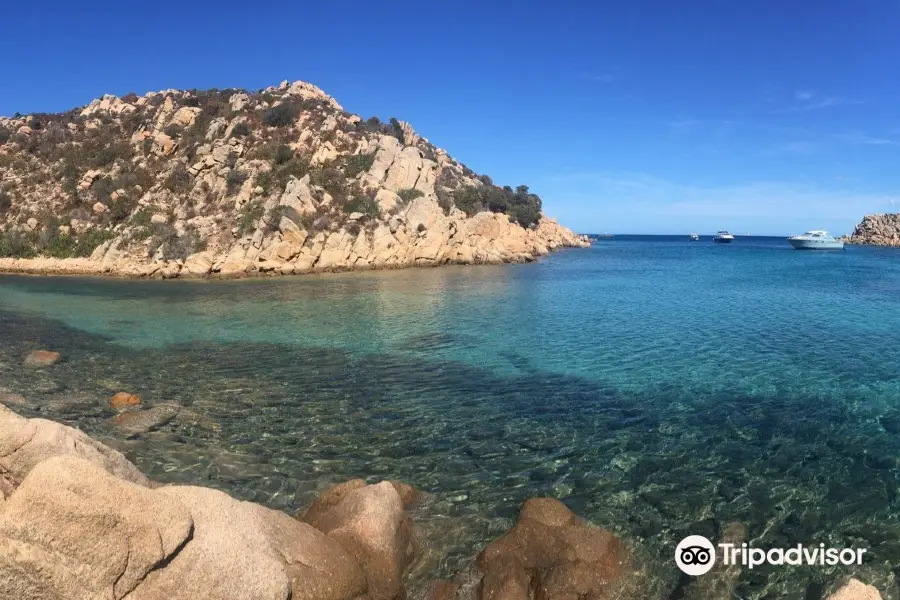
{"x": 659, "y": 117}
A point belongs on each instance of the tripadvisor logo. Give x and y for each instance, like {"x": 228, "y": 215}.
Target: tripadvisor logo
{"x": 696, "y": 555}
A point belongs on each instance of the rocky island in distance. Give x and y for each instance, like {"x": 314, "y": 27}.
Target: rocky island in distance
{"x": 230, "y": 183}
{"x": 877, "y": 230}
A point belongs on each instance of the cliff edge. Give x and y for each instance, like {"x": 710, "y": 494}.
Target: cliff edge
{"x": 229, "y": 182}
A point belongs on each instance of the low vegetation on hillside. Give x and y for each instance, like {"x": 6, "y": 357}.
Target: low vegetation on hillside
{"x": 168, "y": 174}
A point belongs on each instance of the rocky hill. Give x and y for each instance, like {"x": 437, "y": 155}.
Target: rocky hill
{"x": 229, "y": 182}
{"x": 877, "y": 230}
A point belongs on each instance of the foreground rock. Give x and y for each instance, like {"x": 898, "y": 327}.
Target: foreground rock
{"x": 232, "y": 183}
{"x": 877, "y": 230}
{"x": 550, "y": 553}
{"x": 79, "y": 522}
{"x": 370, "y": 522}
{"x": 855, "y": 590}
{"x": 24, "y": 443}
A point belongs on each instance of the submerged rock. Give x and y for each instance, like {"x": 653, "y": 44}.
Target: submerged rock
{"x": 124, "y": 400}
{"x": 7, "y": 398}
{"x": 142, "y": 421}
{"x": 41, "y": 358}
{"x": 552, "y": 552}
{"x": 441, "y": 589}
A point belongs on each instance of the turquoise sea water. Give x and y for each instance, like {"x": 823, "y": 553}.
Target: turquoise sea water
{"x": 659, "y": 387}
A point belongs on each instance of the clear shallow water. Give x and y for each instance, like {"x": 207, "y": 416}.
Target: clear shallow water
{"x": 659, "y": 387}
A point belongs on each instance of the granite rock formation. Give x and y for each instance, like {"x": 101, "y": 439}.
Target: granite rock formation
{"x": 228, "y": 183}
{"x": 877, "y": 230}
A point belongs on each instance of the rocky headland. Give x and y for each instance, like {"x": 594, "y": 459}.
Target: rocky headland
{"x": 877, "y": 230}
{"x": 78, "y": 521}
{"x": 230, "y": 182}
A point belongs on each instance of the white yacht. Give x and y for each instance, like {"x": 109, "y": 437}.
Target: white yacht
{"x": 695, "y": 237}
{"x": 815, "y": 240}
{"x": 723, "y": 237}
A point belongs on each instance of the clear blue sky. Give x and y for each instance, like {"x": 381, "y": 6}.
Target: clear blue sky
{"x": 757, "y": 116}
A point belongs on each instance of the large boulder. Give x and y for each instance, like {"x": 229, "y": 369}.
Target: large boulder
{"x": 74, "y": 531}
{"x": 550, "y": 553}
{"x": 319, "y": 567}
{"x": 228, "y": 557}
{"x": 298, "y": 195}
{"x": 199, "y": 264}
{"x": 26, "y": 442}
{"x": 369, "y": 521}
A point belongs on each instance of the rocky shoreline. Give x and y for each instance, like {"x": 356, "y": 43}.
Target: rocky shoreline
{"x": 493, "y": 241}
{"x": 78, "y": 521}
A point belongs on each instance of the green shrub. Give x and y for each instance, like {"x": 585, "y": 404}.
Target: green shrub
{"x": 265, "y": 180}
{"x": 282, "y": 115}
{"x": 119, "y": 210}
{"x": 358, "y": 163}
{"x": 372, "y": 124}
{"x": 396, "y": 130}
{"x": 142, "y": 217}
{"x": 362, "y": 203}
{"x": 179, "y": 180}
{"x": 234, "y": 180}
{"x": 50, "y": 242}
{"x": 173, "y": 131}
{"x": 296, "y": 167}
{"x": 17, "y": 245}
{"x": 282, "y": 154}
{"x": 285, "y": 211}
{"x": 141, "y": 233}
{"x": 249, "y": 217}
{"x": 240, "y": 130}
{"x": 409, "y": 194}
{"x": 102, "y": 189}
{"x": 195, "y": 135}
{"x": 332, "y": 180}
{"x": 445, "y": 200}
{"x": 174, "y": 247}
{"x": 90, "y": 240}
{"x": 101, "y": 148}
{"x": 521, "y": 205}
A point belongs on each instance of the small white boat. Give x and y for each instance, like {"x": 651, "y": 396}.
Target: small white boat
{"x": 816, "y": 240}
{"x": 695, "y": 237}
{"x": 723, "y": 237}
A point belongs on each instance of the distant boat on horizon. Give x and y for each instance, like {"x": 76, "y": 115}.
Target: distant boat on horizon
{"x": 723, "y": 237}
{"x": 695, "y": 237}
